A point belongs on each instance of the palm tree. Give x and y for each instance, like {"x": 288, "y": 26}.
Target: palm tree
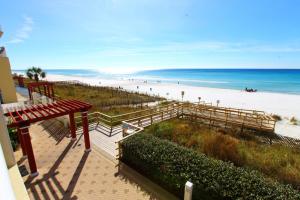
{"x": 35, "y": 73}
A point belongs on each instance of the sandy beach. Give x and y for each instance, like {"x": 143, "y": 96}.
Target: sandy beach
{"x": 285, "y": 105}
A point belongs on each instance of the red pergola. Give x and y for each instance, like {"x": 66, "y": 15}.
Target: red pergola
{"x": 20, "y": 80}
{"x": 21, "y": 118}
{"x": 47, "y": 88}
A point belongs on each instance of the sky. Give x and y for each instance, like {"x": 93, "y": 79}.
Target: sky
{"x": 129, "y": 35}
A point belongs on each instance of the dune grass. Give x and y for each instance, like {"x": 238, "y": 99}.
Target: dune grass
{"x": 103, "y": 97}
{"x": 277, "y": 162}
{"x": 277, "y": 117}
{"x": 109, "y": 100}
{"x": 294, "y": 121}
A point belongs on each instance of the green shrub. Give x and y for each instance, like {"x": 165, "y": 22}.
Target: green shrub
{"x": 171, "y": 166}
{"x": 13, "y": 138}
{"x": 162, "y": 130}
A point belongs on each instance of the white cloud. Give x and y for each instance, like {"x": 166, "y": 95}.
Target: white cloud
{"x": 24, "y": 32}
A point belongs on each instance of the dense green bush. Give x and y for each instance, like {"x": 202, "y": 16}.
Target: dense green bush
{"x": 164, "y": 130}
{"x": 13, "y": 138}
{"x": 171, "y": 166}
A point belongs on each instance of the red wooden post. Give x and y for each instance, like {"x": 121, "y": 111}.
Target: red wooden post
{"x": 85, "y": 127}
{"x": 48, "y": 91}
{"x": 45, "y": 92}
{"x": 52, "y": 92}
{"x": 21, "y": 140}
{"x": 30, "y": 93}
{"x": 21, "y": 81}
{"x": 29, "y": 151}
{"x": 72, "y": 126}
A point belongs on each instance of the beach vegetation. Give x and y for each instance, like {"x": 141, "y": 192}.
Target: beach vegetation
{"x": 35, "y": 73}
{"x": 294, "y": 121}
{"x": 12, "y": 132}
{"x": 104, "y": 99}
{"x": 171, "y": 165}
{"x": 109, "y": 100}
{"x": 277, "y": 117}
{"x": 244, "y": 149}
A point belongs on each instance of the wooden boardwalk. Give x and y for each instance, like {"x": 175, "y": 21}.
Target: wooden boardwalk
{"x": 210, "y": 115}
{"x": 106, "y": 130}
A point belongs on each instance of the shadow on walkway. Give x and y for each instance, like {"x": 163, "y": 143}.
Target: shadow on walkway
{"x": 127, "y": 174}
{"x": 49, "y": 183}
{"x": 55, "y": 129}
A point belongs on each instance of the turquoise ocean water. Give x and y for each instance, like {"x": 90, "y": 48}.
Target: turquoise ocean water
{"x": 269, "y": 80}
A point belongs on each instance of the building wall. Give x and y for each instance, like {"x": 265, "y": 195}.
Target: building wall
{"x": 5, "y": 142}
{"x": 8, "y": 90}
{"x": 11, "y": 182}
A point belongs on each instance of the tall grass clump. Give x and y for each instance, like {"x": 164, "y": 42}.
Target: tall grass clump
{"x": 277, "y": 162}
{"x": 294, "y": 121}
{"x": 277, "y": 117}
{"x": 223, "y": 147}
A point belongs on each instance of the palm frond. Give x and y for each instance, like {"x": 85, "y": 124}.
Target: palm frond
{"x": 43, "y": 74}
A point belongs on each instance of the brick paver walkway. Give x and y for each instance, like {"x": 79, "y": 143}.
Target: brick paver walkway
{"x": 67, "y": 172}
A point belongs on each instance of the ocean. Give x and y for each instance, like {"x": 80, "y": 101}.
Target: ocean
{"x": 267, "y": 80}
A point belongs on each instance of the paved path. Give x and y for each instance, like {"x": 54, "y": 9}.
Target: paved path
{"x": 67, "y": 172}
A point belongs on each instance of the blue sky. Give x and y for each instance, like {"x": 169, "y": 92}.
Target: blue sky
{"x": 124, "y": 35}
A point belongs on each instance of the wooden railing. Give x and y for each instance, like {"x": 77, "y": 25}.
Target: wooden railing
{"x": 167, "y": 112}
{"x": 212, "y": 115}
{"x": 116, "y": 120}
{"x": 251, "y": 119}
{"x": 126, "y": 134}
